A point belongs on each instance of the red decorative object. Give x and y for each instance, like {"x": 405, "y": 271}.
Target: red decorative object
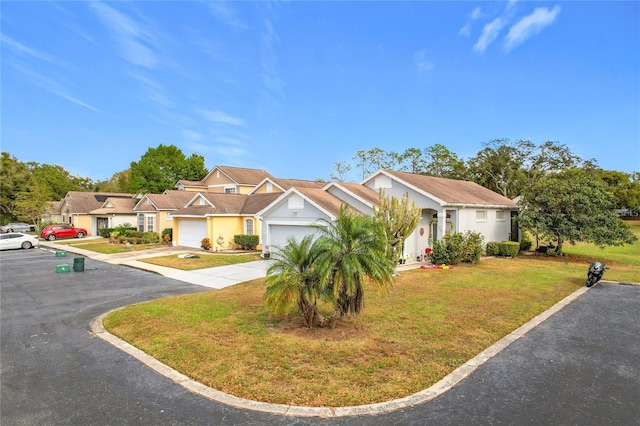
{"x": 427, "y": 250}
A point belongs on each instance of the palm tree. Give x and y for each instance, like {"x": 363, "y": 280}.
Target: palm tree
{"x": 292, "y": 280}
{"x": 351, "y": 250}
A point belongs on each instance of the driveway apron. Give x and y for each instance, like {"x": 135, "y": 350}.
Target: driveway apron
{"x": 580, "y": 366}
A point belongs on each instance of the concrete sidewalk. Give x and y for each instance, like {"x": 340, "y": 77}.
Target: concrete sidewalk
{"x": 218, "y": 277}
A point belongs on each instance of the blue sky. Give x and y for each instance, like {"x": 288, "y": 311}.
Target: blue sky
{"x": 294, "y": 87}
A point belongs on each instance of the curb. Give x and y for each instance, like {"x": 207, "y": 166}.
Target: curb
{"x": 437, "y": 389}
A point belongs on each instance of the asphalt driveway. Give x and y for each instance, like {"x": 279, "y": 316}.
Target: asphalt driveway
{"x": 578, "y": 367}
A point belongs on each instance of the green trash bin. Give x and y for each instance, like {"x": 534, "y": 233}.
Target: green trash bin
{"x": 78, "y": 264}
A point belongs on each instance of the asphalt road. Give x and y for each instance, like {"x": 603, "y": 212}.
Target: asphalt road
{"x": 581, "y": 366}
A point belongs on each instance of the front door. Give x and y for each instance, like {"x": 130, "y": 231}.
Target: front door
{"x": 515, "y": 231}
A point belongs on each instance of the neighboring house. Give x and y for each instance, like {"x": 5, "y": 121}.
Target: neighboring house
{"x": 293, "y": 214}
{"x": 226, "y": 203}
{"x": 153, "y": 211}
{"x": 52, "y": 213}
{"x": 225, "y": 179}
{"x": 269, "y": 185}
{"x": 447, "y": 206}
{"x": 114, "y": 212}
{"x": 219, "y": 217}
{"x": 76, "y": 207}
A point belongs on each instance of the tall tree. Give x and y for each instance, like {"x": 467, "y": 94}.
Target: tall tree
{"x": 160, "y": 168}
{"x": 573, "y": 206}
{"x": 412, "y": 161}
{"x": 58, "y": 180}
{"x": 341, "y": 171}
{"x": 31, "y": 202}
{"x": 399, "y": 220}
{"x": 547, "y": 157}
{"x": 119, "y": 182}
{"x": 499, "y": 166}
{"x": 372, "y": 160}
{"x": 624, "y": 187}
{"x": 441, "y": 162}
{"x": 14, "y": 176}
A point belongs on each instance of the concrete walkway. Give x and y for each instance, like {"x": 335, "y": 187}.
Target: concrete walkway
{"x": 218, "y": 277}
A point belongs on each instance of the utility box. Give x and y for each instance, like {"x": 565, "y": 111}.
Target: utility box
{"x": 78, "y": 264}
{"x": 62, "y": 268}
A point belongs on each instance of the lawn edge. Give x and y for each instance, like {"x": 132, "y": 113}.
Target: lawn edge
{"x": 437, "y": 389}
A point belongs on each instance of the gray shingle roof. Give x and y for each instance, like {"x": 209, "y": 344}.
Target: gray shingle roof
{"x": 244, "y": 176}
{"x": 84, "y": 202}
{"x": 453, "y": 191}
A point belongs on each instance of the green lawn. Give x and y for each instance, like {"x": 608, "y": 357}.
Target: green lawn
{"x": 623, "y": 254}
{"x": 431, "y": 322}
{"x": 204, "y": 260}
{"x": 105, "y": 247}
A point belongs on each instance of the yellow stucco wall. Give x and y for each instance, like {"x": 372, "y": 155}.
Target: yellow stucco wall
{"x": 82, "y": 221}
{"x": 223, "y": 228}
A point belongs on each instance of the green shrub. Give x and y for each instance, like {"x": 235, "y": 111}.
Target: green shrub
{"x": 151, "y": 237}
{"x": 105, "y": 232}
{"x": 503, "y": 248}
{"x": 246, "y": 242}
{"x": 457, "y": 248}
{"x": 525, "y": 243}
{"x": 509, "y": 248}
{"x": 493, "y": 248}
{"x": 120, "y": 229}
{"x": 133, "y": 233}
{"x": 169, "y": 232}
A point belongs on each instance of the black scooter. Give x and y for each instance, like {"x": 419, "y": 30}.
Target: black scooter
{"x": 596, "y": 270}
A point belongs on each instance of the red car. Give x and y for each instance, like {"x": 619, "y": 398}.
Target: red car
{"x": 53, "y": 232}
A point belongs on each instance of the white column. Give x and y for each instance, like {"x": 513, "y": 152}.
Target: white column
{"x": 442, "y": 223}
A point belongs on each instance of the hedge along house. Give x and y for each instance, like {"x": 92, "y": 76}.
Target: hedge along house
{"x": 153, "y": 211}
{"x": 219, "y": 217}
{"x": 448, "y": 206}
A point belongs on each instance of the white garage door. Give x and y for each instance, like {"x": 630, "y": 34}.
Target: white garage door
{"x": 191, "y": 232}
{"x": 279, "y": 234}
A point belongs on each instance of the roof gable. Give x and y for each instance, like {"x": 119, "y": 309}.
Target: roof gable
{"x": 78, "y": 202}
{"x": 237, "y": 175}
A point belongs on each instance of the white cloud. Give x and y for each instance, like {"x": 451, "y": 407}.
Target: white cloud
{"x": 222, "y": 11}
{"x": 221, "y": 117}
{"x": 132, "y": 39}
{"x": 530, "y": 25}
{"x": 24, "y": 50}
{"x": 270, "y": 76}
{"x": 420, "y": 58}
{"x": 489, "y": 34}
{"x": 51, "y": 86}
{"x": 475, "y": 15}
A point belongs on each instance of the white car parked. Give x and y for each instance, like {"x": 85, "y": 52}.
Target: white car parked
{"x": 17, "y": 227}
{"x": 16, "y": 240}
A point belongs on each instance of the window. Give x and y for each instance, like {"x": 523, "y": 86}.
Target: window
{"x": 141, "y": 222}
{"x": 481, "y": 215}
{"x": 149, "y": 223}
{"x": 248, "y": 226}
{"x": 500, "y": 215}
{"x": 229, "y": 190}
